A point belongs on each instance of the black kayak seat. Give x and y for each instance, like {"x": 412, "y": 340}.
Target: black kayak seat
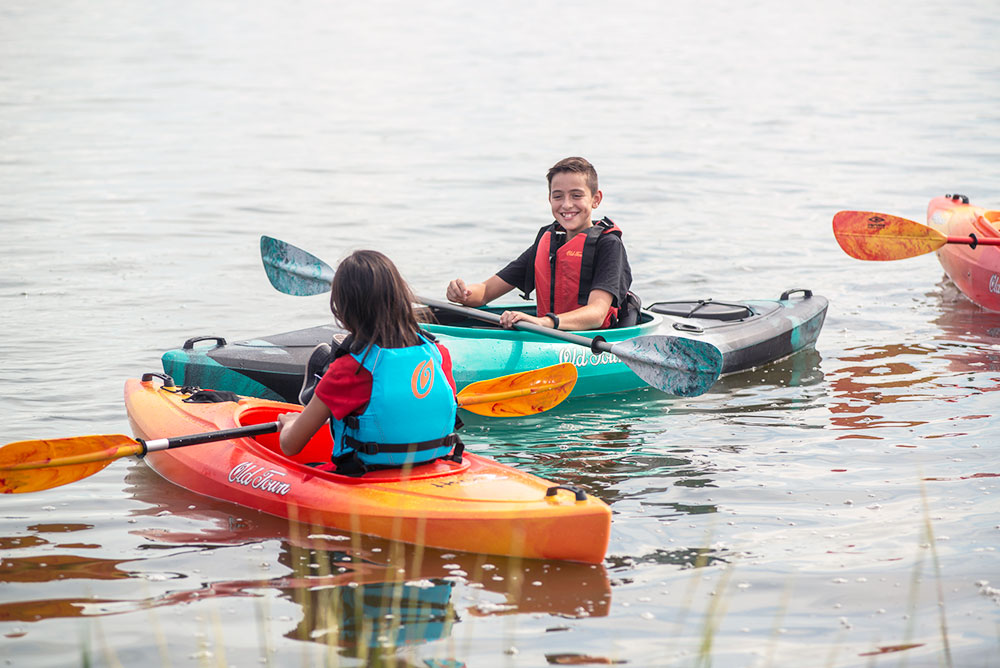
{"x": 705, "y": 309}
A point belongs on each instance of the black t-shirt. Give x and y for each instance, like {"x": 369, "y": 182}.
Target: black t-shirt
{"x": 612, "y": 272}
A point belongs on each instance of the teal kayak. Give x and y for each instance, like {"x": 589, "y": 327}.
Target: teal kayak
{"x": 749, "y": 334}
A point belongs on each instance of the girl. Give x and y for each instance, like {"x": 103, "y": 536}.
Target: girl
{"x": 389, "y": 392}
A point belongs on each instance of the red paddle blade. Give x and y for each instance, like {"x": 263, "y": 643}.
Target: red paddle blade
{"x": 31, "y": 466}
{"x": 867, "y": 235}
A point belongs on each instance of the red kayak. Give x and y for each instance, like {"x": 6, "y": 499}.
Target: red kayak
{"x": 475, "y": 505}
{"x": 974, "y": 268}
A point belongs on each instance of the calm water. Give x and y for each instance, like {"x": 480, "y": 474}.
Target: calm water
{"x": 837, "y": 509}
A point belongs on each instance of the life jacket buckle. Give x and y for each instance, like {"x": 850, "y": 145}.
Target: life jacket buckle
{"x": 368, "y": 448}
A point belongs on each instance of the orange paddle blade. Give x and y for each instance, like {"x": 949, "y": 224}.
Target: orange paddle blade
{"x": 518, "y": 394}
{"x": 31, "y": 466}
{"x": 867, "y": 235}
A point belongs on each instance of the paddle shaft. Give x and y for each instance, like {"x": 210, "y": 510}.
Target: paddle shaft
{"x": 972, "y": 240}
{"x": 597, "y": 344}
{"x": 210, "y": 436}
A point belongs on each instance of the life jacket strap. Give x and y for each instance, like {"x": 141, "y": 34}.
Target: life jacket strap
{"x": 372, "y": 448}
{"x": 589, "y": 254}
{"x": 529, "y": 272}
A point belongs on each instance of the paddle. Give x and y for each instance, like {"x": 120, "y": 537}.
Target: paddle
{"x": 685, "y": 367}
{"x": 868, "y": 235}
{"x": 31, "y": 466}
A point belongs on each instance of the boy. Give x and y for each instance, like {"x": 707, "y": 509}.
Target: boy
{"x": 578, "y": 268}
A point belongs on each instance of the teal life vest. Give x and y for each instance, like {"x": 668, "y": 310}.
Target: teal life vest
{"x": 411, "y": 415}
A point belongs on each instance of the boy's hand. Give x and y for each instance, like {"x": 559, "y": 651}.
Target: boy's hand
{"x": 508, "y": 318}
{"x": 477, "y": 294}
{"x": 458, "y": 292}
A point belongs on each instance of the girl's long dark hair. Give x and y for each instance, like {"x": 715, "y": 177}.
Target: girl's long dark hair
{"x": 373, "y": 302}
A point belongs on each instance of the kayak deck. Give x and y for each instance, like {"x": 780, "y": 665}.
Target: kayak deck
{"x": 478, "y": 505}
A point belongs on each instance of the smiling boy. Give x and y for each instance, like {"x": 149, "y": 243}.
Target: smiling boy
{"x": 577, "y": 267}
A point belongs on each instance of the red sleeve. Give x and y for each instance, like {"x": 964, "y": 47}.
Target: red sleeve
{"x": 446, "y": 365}
{"x": 346, "y": 387}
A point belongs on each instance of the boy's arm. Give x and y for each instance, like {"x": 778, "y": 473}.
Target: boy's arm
{"x": 477, "y": 294}
{"x": 590, "y": 316}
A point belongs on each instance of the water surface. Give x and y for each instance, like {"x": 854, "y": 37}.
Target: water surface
{"x": 841, "y": 505}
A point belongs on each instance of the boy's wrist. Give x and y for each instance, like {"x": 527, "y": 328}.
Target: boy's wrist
{"x": 554, "y": 318}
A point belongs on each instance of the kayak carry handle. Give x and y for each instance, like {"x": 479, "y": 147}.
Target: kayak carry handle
{"x": 167, "y": 380}
{"x": 189, "y": 344}
{"x": 806, "y": 293}
{"x": 579, "y": 493}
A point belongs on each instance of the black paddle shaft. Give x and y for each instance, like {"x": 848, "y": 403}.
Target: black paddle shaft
{"x": 210, "y": 436}
{"x": 598, "y": 344}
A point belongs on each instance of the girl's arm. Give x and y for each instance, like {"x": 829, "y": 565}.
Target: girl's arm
{"x": 298, "y": 428}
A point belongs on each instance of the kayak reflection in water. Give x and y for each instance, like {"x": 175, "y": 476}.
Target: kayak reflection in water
{"x": 577, "y": 267}
{"x": 387, "y": 390}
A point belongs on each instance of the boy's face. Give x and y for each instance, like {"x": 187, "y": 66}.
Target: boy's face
{"x": 572, "y": 202}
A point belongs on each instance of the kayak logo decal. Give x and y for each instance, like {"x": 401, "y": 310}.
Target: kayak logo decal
{"x": 580, "y": 357}
{"x": 995, "y": 284}
{"x": 258, "y": 477}
{"x": 877, "y": 223}
{"x": 423, "y": 379}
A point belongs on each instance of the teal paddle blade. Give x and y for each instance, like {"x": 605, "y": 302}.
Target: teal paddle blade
{"x": 292, "y": 270}
{"x": 684, "y": 367}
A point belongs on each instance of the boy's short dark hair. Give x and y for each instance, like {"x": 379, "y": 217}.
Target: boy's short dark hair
{"x": 577, "y": 165}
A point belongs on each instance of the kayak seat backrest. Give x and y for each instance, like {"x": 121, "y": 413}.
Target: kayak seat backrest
{"x": 704, "y": 309}
{"x": 992, "y": 219}
{"x": 629, "y": 313}
{"x": 317, "y": 450}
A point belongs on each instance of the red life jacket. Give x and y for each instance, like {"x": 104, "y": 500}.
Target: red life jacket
{"x": 563, "y": 272}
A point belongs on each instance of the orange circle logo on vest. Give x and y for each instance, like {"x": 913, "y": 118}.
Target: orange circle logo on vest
{"x": 423, "y": 379}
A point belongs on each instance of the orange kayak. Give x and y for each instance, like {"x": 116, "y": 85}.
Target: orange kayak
{"x": 975, "y": 270}
{"x": 477, "y": 505}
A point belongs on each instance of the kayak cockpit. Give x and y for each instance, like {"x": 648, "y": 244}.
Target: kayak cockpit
{"x": 319, "y": 447}
{"x": 438, "y": 321}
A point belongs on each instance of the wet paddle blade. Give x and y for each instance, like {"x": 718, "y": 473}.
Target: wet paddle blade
{"x": 684, "y": 367}
{"x": 292, "y": 270}
{"x": 31, "y": 466}
{"x": 867, "y": 235}
{"x": 519, "y": 394}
